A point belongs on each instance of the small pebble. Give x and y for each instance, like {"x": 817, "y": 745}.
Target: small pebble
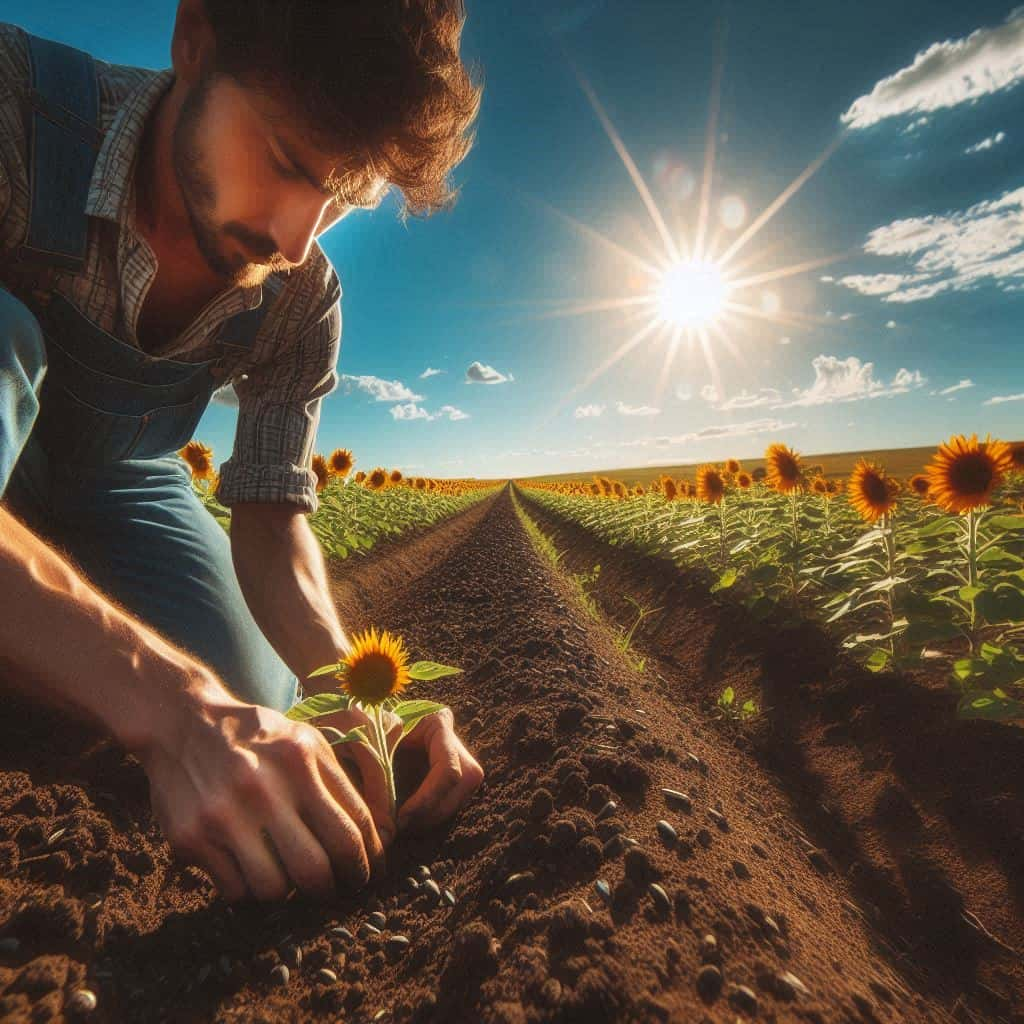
{"x": 788, "y": 986}
{"x": 326, "y": 976}
{"x": 280, "y": 975}
{"x": 743, "y": 998}
{"x": 667, "y": 833}
{"x": 709, "y": 982}
{"x": 397, "y": 944}
{"x": 82, "y": 1001}
{"x": 607, "y": 811}
{"x": 676, "y": 798}
{"x": 660, "y": 897}
{"x": 378, "y": 920}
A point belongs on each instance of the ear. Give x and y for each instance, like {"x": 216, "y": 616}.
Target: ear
{"x": 193, "y": 42}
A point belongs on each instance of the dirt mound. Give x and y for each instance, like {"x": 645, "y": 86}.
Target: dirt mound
{"x": 571, "y": 888}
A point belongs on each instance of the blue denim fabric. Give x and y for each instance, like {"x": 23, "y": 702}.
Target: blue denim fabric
{"x": 132, "y": 525}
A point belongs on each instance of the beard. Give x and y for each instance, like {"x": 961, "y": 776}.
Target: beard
{"x": 200, "y": 198}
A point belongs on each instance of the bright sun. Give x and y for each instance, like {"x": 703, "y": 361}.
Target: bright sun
{"x": 691, "y": 294}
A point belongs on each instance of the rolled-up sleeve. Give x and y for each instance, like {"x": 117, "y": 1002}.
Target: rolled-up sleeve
{"x": 278, "y": 415}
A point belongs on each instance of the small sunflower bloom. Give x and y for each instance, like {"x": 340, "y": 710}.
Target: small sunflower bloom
{"x": 783, "y": 470}
{"x": 323, "y": 473}
{"x": 341, "y": 462}
{"x": 199, "y": 458}
{"x": 964, "y": 472}
{"x": 710, "y": 485}
{"x": 871, "y": 492}
{"x": 920, "y": 485}
{"x": 376, "y": 668}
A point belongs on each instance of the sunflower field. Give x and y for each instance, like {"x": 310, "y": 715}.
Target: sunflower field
{"x": 356, "y": 510}
{"x": 929, "y": 569}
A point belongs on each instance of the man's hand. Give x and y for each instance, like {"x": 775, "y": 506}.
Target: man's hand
{"x": 452, "y": 778}
{"x": 261, "y": 803}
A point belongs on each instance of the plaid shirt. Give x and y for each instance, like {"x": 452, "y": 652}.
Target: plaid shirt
{"x": 280, "y": 381}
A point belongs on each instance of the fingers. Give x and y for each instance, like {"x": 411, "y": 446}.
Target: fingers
{"x": 264, "y": 872}
{"x": 303, "y": 856}
{"x": 222, "y": 867}
{"x": 342, "y": 821}
{"x": 375, "y": 791}
{"x": 425, "y": 806}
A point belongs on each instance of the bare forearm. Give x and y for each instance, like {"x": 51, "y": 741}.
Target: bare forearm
{"x": 280, "y": 568}
{"x": 66, "y": 644}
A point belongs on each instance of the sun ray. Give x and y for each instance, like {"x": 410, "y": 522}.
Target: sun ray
{"x": 794, "y": 268}
{"x": 631, "y": 168}
{"x": 787, "y": 193}
{"x": 710, "y": 143}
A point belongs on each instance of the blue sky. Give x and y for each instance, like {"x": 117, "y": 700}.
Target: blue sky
{"x": 904, "y": 125}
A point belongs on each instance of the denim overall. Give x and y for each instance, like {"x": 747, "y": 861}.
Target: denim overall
{"x": 90, "y": 425}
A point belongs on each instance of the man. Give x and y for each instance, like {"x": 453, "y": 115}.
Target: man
{"x": 157, "y": 241}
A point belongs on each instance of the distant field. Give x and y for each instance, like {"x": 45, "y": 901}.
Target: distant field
{"x": 901, "y": 462}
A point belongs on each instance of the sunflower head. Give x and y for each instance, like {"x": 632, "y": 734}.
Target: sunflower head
{"x": 669, "y": 489}
{"x": 376, "y": 668}
{"x": 341, "y": 462}
{"x": 322, "y": 471}
{"x": 710, "y": 484}
{"x": 1017, "y": 457}
{"x": 395, "y": 476}
{"x": 782, "y": 468}
{"x": 870, "y": 491}
{"x": 819, "y": 486}
{"x": 743, "y": 480}
{"x": 833, "y": 487}
{"x": 919, "y": 485}
{"x": 377, "y": 479}
{"x": 638, "y": 491}
{"x": 732, "y": 466}
{"x": 199, "y": 458}
{"x": 964, "y": 472}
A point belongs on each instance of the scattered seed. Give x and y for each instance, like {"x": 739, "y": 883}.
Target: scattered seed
{"x": 718, "y": 818}
{"x": 788, "y": 986}
{"x": 326, "y": 976}
{"x": 368, "y": 929}
{"x": 433, "y": 888}
{"x": 613, "y": 847}
{"x": 709, "y": 982}
{"x": 743, "y": 998}
{"x": 604, "y": 890}
{"x": 708, "y": 948}
{"x": 378, "y": 920}
{"x": 629, "y": 841}
{"x": 55, "y": 836}
{"x": 422, "y": 872}
{"x": 740, "y": 869}
{"x": 397, "y": 944}
{"x": 769, "y": 924}
{"x": 82, "y": 1002}
{"x": 607, "y": 811}
{"x": 280, "y": 975}
{"x": 667, "y": 833}
{"x": 449, "y": 897}
{"x": 660, "y": 897}
{"x": 292, "y": 956}
{"x": 676, "y": 798}
{"x": 412, "y": 884}
{"x": 340, "y": 932}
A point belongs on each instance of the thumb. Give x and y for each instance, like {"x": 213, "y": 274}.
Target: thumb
{"x": 375, "y": 792}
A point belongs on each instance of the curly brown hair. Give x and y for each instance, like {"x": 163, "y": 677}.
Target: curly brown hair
{"x": 379, "y": 80}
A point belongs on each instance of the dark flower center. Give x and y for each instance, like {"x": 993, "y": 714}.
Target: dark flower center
{"x": 971, "y": 473}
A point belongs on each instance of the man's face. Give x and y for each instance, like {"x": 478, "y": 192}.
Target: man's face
{"x": 254, "y": 190}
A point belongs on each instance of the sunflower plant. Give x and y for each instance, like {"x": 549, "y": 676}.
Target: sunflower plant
{"x": 370, "y": 678}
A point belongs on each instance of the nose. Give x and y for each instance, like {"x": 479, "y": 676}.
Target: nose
{"x": 294, "y": 228}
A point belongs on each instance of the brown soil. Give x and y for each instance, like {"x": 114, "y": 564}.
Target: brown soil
{"x": 562, "y": 723}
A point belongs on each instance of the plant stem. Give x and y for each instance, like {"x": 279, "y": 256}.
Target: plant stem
{"x": 972, "y": 565}
{"x": 386, "y": 763}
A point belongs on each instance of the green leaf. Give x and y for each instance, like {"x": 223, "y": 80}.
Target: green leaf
{"x": 356, "y": 735}
{"x": 318, "y": 705}
{"x": 877, "y": 661}
{"x": 1004, "y": 522}
{"x": 749, "y": 707}
{"x": 412, "y": 712}
{"x": 726, "y": 580}
{"x": 988, "y": 705}
{"x": 998, "y": 554}
{"x": 431, "y": 670}
{"x": 1004, "y": 603}
{"x": 969, "y": 593}
{"x": 328, "y": 669}
{"x": 939, "y": 528}
{"x": 728, "y": 695}
{"x": 923, "y": 631}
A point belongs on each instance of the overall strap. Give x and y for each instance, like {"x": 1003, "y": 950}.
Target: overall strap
{"x": 64, "y": 141}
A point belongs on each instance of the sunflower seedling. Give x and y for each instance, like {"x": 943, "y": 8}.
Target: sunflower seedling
{"x": 369, "y": 679}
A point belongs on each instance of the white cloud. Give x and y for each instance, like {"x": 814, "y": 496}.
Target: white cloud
{"x": 954, "y": 251}
{"x": 430, "y": 372}
{"x": 988, "y": 143}
{"x": 635, "y": 410}
{"x": 412, "y": 411}
{"x": 481, "y": 373}
{"x": 382, "y": 390}
{"x": 847, "y": 316}
{"x": 947, "y": 74}
{"x": 890, "y": 324}
{"x": 999, "y": 399}
{"x": 826, "y": 277}
{"x": 745, "y": 429}
{"x": 586, "y": 411}
{"x": 965, "y": 383}
{"x": 914, "y": 125}
{"x": 409, "y": 411}
{"x": 751, "y": 400}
